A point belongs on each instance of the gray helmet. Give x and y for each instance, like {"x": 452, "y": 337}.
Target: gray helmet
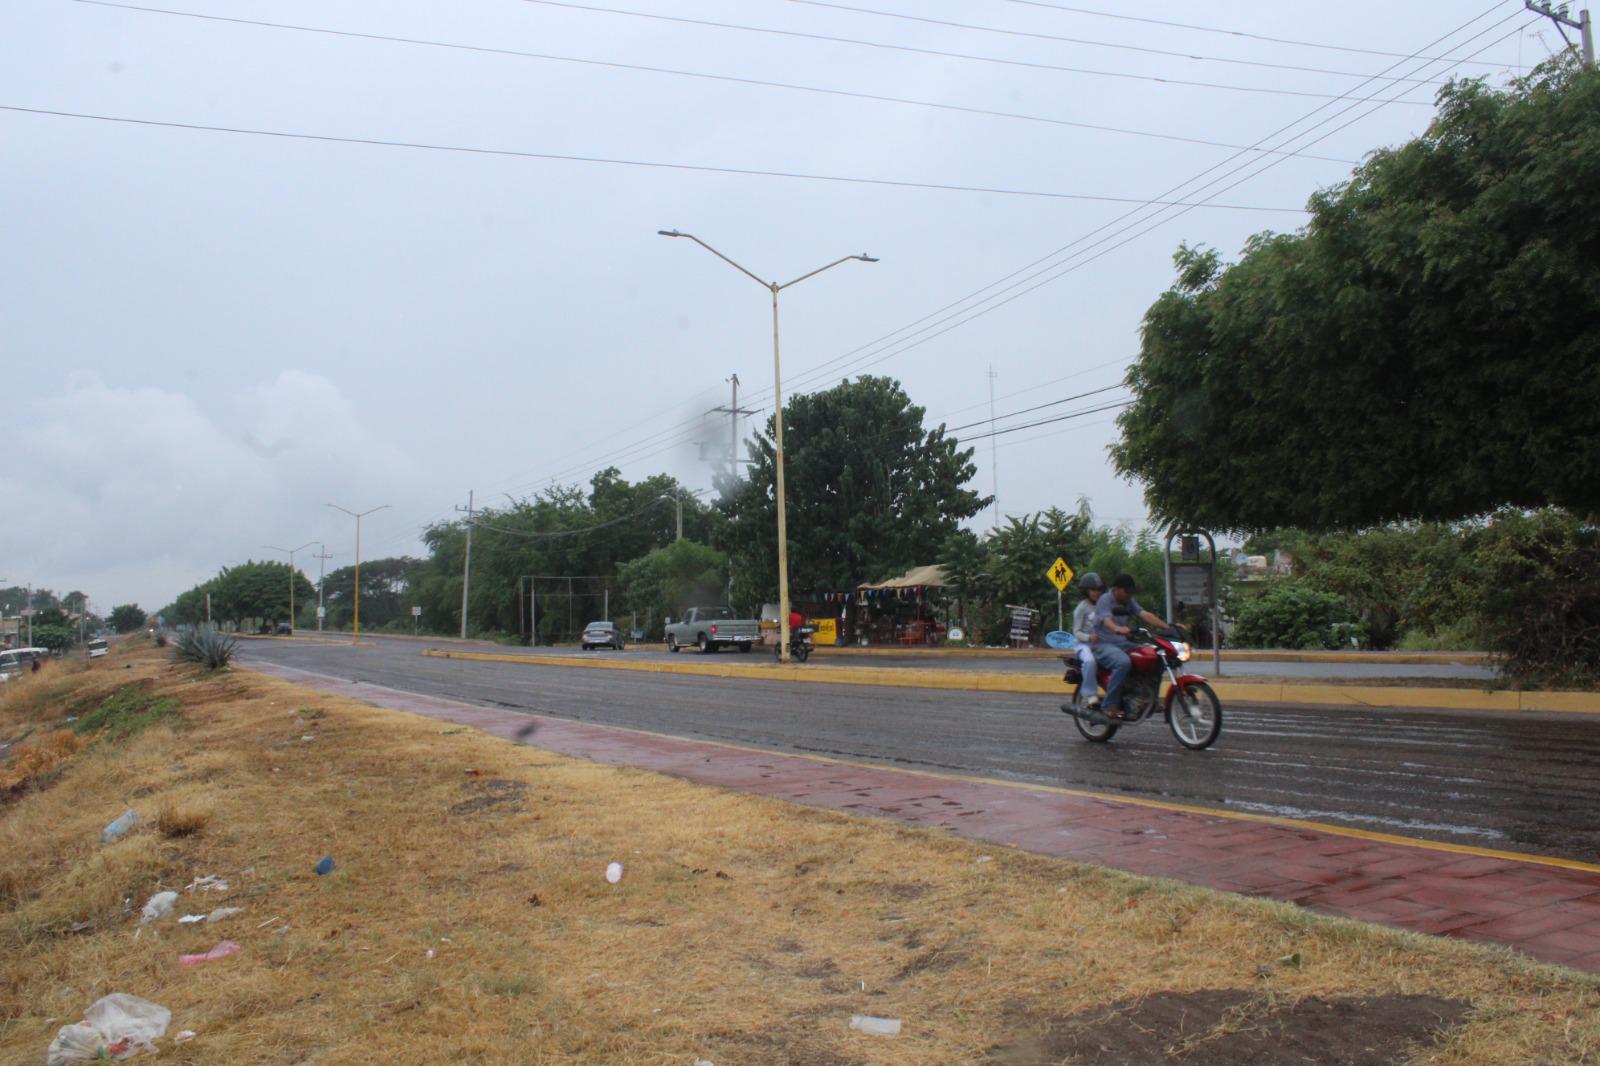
{"x": 1089, "y": 582}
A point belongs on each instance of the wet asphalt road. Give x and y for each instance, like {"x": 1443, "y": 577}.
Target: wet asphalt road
{"x": 1002, "y": 662}
{"x": 1522, "y": 782}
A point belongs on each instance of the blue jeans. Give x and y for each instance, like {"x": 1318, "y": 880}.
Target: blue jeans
{"x": 1116, "y": 660}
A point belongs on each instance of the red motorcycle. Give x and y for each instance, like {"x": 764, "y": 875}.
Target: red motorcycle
{"x": 1192, "y": 710}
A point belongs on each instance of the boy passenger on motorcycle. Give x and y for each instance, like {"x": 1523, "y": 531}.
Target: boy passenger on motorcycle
{"x": 1111, "y": 638}
{"x": 1083, "y": 628}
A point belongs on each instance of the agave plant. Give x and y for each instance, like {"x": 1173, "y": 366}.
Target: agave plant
{"x": 205, "y": 645}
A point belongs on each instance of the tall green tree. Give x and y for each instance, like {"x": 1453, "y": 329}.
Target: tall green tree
{"x": 666, "y": 580}
{"x": 870, "y": 492}
{"x": 1424, "y": 349}
{"x": 126, "y": 617}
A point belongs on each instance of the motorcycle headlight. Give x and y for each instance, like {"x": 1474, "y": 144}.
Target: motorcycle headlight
{"x": 1184, "y": 651}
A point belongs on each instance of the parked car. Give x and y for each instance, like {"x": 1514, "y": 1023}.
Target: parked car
{"x": 14, "y": 661}
{"x": 601, "y": 635}
{"x": 711, "y": 628}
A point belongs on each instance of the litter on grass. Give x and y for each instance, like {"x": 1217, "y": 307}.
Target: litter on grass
{"x": 866, "y": 1023}
{"x": 614, "y": 872}
{"x": 119, "y": 828}
{"x": 158, "y": 907}
{"x": 221, "y": 951}
{"x": 190, "y": 919}
{"x": 185, "y": 1036}
{"x": 118, "y": 1026}
{"x": 325, "y": 865}
{"x": 223, "y": 912}
{"x": 208, "y": 883}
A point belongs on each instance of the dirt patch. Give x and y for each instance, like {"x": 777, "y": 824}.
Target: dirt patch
{"x": 1228, "y": 1027}
{"x": 934, "y": 960}
{"x": 489, "y": 794}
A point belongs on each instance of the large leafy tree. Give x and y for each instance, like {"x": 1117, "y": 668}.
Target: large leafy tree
{"x": 870, "y": 492}
{"x": 666, "y": 580}
{"x": 126, "y": 617}
{"x": 1424, "y": 349}
{"x": 386, "y": 586}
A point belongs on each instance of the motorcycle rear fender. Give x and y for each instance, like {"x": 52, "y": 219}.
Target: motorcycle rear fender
{"x": 1184, "y": 681}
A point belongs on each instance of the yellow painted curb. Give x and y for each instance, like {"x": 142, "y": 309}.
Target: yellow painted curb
{"x": 1345, "y": 696}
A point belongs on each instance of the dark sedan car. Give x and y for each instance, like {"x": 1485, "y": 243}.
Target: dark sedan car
{"x": 601, "y": 635}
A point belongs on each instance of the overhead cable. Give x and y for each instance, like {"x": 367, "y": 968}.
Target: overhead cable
{"x": 1055, "y": 67}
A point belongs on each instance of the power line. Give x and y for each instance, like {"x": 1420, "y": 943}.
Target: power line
{"x": 1232, "y": 33}
{"x": 906, "y": 344}
{"x": 1096, "y": 44}
{"x": 873, "y": 349}
{"x": 927, "y": 51}
{"x": 609, "y": 161}
{"x": 680, "y": 73}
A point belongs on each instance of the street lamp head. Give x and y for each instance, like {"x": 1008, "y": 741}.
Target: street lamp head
{"x": 867, "y": 258}
{"x": 670, "y": 233}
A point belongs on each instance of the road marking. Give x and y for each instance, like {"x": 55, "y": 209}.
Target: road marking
{"x": 1135, "y": 801}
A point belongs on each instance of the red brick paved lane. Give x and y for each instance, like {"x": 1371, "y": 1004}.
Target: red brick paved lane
{"x": 1547, "y": 911}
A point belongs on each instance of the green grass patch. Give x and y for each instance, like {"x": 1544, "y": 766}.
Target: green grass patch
{"x": 128, "y": 711}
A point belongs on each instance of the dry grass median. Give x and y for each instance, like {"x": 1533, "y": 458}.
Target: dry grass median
{"x": 468, "y": 917}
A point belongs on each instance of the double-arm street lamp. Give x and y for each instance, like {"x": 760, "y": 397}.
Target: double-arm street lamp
{"x": 356, "y": 639}
{"x": 777, "y": 419}
{"x": 290, "y": 553}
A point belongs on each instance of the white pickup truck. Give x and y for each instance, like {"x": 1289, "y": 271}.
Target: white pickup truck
{"x": 711, "y": 628}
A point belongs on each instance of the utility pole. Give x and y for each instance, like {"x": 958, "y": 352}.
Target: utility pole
{"x": 466, "y": 567}
{"x": 733, "y": 411}
{"x": 994, "y": 460}
{"x": 322, "y": 559}
{"x": 1558, "y": 15}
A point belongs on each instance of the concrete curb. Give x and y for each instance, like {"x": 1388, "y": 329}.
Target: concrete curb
{"x": 1363, "y": 697}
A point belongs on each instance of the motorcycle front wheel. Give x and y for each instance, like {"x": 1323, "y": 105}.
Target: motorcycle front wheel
{"x": 1195, "y": 716}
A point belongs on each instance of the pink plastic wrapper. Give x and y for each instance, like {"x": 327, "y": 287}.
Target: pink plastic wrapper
{"x": 221, "y": 951}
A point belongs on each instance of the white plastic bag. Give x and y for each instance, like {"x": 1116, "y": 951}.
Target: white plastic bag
{"x": 159, "y": 906}
{"x": 118, "y": 1026}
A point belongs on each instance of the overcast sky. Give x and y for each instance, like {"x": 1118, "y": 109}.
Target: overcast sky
{"x": 209, "y": 335}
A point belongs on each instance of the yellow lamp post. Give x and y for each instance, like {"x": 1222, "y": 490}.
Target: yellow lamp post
{"x": 356, "y": 638}
{"x": 777, "y": 418}
{"x": 290, "y": 553}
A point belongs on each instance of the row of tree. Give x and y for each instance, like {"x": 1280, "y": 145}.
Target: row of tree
{"x": 1422, "y": 351}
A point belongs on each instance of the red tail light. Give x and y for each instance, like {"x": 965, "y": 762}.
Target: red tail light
{"x": 713, "y": 629}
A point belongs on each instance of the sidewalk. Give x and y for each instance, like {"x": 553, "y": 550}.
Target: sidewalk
{"x": 1547, "y": 908}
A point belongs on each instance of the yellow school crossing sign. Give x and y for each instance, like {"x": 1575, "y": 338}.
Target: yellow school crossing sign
{"x": 1060, "y": 575}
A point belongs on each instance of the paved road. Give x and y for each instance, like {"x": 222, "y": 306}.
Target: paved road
{"x": 1001, "y": 662}
{"x": 1526, "y": 783}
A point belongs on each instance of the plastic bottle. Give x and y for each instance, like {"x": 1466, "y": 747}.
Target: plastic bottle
{"x": 119, "y": 828}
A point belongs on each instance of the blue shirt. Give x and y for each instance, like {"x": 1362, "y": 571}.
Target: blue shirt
{"x": 1103, "y": 612}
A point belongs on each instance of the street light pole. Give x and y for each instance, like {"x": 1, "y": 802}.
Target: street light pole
{"x": 356, "y": 636}
{"x": 777, "y": 418}
{"x": 290, "y": 553}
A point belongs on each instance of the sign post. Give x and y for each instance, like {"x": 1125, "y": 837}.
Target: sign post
{"x": 416, "y": 616}
{"x": 1060, "y": 575}
{"x": 1193, "y": 580}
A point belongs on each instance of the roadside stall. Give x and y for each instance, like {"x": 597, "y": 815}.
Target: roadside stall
{"x": 901, "y": 610}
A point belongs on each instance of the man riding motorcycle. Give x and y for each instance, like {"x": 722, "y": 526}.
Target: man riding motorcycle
{"x": 1111, "y": 640}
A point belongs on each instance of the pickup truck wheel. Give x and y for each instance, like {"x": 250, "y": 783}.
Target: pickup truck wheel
{"x": 672, "y": 643}
{"x": 706, "y": 647}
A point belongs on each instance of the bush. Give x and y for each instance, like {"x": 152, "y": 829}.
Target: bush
{"x": 204, "y": 645}
{"x": 1289, "y": 613}
{"x": 1541, "y": 600}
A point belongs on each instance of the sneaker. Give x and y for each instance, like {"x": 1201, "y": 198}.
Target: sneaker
{"x": 1093, "y": 703}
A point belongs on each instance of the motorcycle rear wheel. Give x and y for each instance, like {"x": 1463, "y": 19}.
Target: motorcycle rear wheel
{"x": 1195, "y": 716}
{"x": 1096, "y": 732}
